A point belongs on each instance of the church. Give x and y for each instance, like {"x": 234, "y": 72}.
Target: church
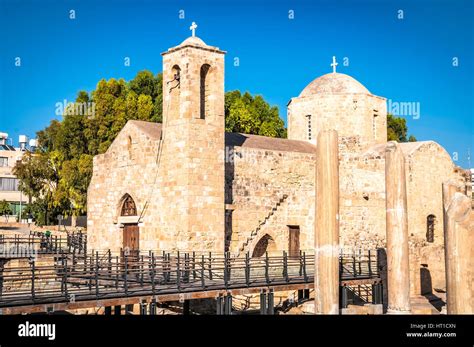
{"x": 188, "y": 185}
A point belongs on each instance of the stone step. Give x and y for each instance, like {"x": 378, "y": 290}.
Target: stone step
{"x": 367, "y": 309}
{"x": 421, "y": 305}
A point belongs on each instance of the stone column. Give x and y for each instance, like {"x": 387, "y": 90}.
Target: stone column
{"x": 326, "y": 233}
{"x": 449, "y": 189}
{"x": 398, "y": 268}
{"x": 459, "y": 249}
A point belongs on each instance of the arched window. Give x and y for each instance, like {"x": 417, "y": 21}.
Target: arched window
{"x": 430, "y": 227}
{"x": 265, "y": 244}
{"x": 130, "y": 148}
{"x": 128, "y": 207}
{"x": 204, "y": 91}
{"x": 374, "y": 125}
{"x": 174, "y": 85}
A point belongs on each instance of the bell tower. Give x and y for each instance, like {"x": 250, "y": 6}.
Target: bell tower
{"x": 192, "y": 160}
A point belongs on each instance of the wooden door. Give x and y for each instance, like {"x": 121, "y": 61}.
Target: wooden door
{"x": 131, "y": 237}
{"x": 294, "y": 241}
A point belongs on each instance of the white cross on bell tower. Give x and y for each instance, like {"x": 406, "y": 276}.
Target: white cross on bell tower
{"x": 193, "y": 28}
{"x": 334, "y": 64}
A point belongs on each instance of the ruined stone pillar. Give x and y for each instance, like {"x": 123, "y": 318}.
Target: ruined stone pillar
{"x": 326, "y": 233}
{"x": 459, "y": 250}
{"x": 398, "y": 268}
{"x": 449, "y": 189}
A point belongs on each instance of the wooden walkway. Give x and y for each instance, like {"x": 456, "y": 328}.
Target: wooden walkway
{"x": 69, "y": 281}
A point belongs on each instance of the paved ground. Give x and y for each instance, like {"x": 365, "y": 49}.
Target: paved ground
{"x": 23, "y": 229}
{"x": 14, "y": 228}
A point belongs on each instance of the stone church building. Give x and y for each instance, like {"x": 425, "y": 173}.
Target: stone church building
{"x": 185, "y": 184}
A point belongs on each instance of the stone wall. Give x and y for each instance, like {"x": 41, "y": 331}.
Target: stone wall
{"x": 342, "y": 112}
{"x": 362, "y": 196}
{"x": 192, "y": 173}
{"x": 256, "y": 181}
{"x": 428, "y": 166}
{"x": 362, "y": 205}
{"x": 128, "y": 167}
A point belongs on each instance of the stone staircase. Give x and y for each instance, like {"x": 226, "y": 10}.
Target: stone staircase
{"x": 254, "y": 232}
{"x": 421, "y": 305}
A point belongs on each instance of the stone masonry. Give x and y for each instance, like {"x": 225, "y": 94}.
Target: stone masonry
{"x": 198, "y": 188}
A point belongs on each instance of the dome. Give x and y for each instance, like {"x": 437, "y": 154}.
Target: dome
{"x": 337, "y": 83}
{"x": 194, "y": 41}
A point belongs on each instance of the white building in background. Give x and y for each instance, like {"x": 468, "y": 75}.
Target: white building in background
{"x": 9, "y": 155}
{"x": 472, "y": 182}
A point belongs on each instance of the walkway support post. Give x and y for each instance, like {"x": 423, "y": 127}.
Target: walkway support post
{"x": 263, "y": 302}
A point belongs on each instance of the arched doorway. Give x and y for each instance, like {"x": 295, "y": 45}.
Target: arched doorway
{"x": 131, "y": 231}
{"x": 265, "y": 244}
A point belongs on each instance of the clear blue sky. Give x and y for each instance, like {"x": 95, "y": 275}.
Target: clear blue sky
{"x": 407, "y": 60}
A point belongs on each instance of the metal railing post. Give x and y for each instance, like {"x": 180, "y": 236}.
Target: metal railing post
{"x": 153, "y": 272}
{"x": 194, "y": 266}
{"x": 97, "y": 274}
{"x": 301, "y": 264}
{"x": 341, "y": 267}
{"x": 65, "y": 279}
{"x": 203, "y": 280}
{"x": 305, "y": 276}
{"x": 285, "y": 267}
{"x": 226, "y": 275}
{"x": 118, "y": 269}
{"x": 141, "y": 269}
{"x": 210, "y": 266}
{"x": 33, "y": 280}
{"x": 267, "y": 265}
{"x": 247, "y": 269}
{"x": 178, "y": 279}
{"x": 370, "y": 264}
{"x": 229, "y": 267}
{"x": 126, "y": 274}
{"x": 89, "y": 271}
{"x": 354, "y": 269}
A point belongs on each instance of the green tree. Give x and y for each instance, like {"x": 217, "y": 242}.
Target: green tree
{"x": 74, "y": 180}
{"x": 5, "y": 209}
{"x": 38, "y": 176}
{"x": 252, "y": 115}
{"x": 28, "y": 172}
{"x": 147, "y": 84}
{"x": 58, "y": 175}
{"x": 397, "y": 129}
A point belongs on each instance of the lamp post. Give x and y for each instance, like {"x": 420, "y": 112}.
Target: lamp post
{"x": 21, "y": 201}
